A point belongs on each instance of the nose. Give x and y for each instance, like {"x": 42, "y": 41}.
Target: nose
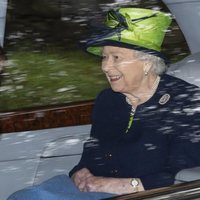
{"x": 107, "y": 64}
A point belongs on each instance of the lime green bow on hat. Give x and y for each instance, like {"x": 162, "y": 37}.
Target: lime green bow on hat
{"x": 134, "y": 28}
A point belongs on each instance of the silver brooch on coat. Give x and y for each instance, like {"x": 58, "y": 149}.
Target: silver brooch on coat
{"x": 164, "y": 99}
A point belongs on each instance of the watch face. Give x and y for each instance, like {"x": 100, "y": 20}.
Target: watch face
{"x": 134, "y": 182}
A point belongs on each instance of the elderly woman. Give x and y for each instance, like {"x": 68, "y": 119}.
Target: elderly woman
{"x": 145, "y": 127}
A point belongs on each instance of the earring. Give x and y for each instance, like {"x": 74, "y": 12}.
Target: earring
{"x": 146, "y": 68}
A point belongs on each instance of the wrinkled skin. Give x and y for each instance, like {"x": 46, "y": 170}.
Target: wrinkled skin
{"x": 87, "y": 182}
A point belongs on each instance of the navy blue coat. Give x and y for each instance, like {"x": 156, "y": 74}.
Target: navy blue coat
{"x": 163, "y": 139}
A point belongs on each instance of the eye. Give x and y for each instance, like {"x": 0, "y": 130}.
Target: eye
{"x": 116, "y": 57}
{"x": 103, "y": 57}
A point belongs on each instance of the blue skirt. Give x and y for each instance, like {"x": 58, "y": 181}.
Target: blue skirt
{"x": 57, "y": 188}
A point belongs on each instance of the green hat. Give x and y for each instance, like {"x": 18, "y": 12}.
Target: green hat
{"x": 133, "y": 28}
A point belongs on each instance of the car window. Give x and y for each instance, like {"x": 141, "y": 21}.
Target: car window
{"x": 46, "y": 65}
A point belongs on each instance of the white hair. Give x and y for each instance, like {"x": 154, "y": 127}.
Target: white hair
{"x": 158, "y": 65}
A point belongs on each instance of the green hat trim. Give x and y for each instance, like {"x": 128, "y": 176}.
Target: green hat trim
{"x": 134, "y": 28}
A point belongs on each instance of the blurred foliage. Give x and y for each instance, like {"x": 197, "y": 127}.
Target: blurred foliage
{"x": 46, "y": 78}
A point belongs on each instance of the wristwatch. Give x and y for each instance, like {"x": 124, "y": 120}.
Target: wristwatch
{"x": 134, "y": 183}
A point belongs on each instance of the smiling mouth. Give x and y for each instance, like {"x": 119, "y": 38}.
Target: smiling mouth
{"x": 114, "y": 78}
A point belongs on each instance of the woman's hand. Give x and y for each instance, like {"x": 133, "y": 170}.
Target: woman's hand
{"x": 87, "y": 182}
{"x": 79, "y": 178}
{"x": 110, "y": 185}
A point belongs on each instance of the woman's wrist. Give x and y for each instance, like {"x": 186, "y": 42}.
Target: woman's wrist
{"x": 136, "y": 185}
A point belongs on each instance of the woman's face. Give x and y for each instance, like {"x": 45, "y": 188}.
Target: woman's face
{"x": 123, "y": 70}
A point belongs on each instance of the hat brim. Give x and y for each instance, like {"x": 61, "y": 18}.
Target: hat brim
{"x": 96, "y": 48}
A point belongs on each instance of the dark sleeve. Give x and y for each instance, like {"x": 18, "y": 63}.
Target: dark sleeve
{"x": 88, "y": 152}
{"x": 90, "y": 148}
{"x": 183, "y": 154}
{"x": 184, "y": 145}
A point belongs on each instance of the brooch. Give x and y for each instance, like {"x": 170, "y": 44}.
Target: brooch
{"x": 164, "y": 99}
